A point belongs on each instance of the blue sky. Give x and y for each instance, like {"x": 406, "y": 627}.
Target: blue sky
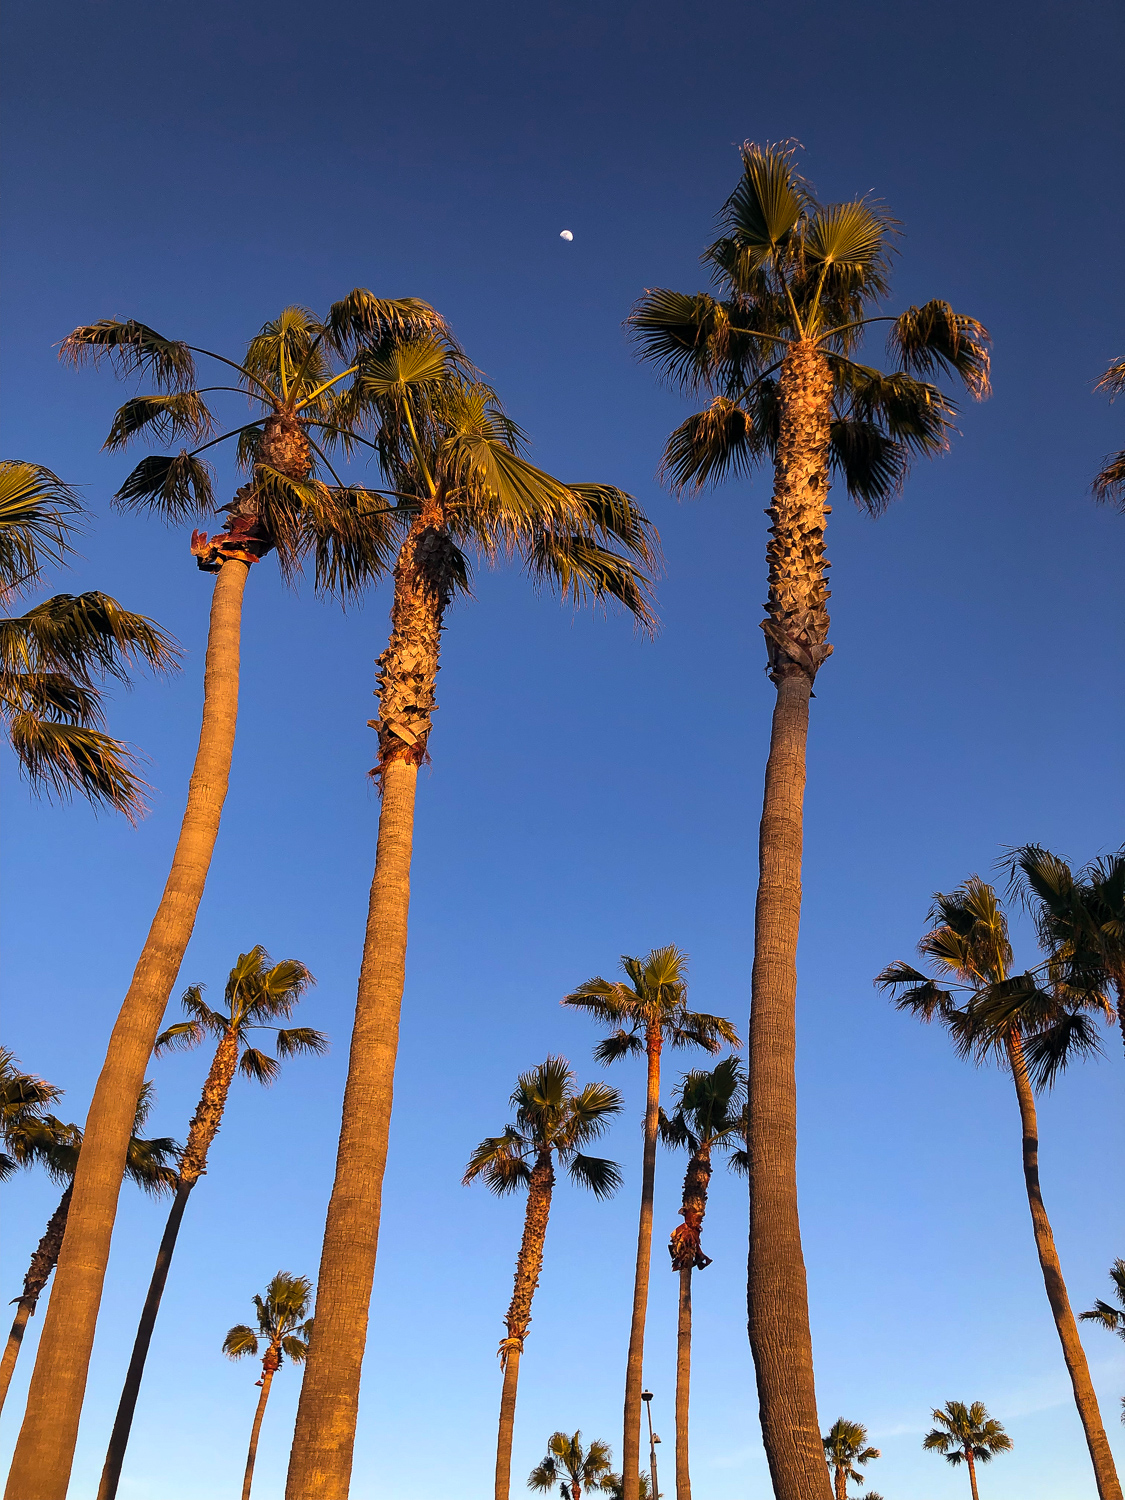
{"x": 591, "y": 793}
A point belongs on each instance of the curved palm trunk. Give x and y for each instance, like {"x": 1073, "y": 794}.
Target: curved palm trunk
{"x": 634, "y": 1369}
{"x": 796, "y": 632}
{"x": 43, "y": 1262}
{"x": 972, "y": 1463}
{"x": 45, "y": 1449}
{"x": 1105, "y": 1473}
{"x": 269, "y": 1369}
{"x": 528, "y": 1266}
{"x": 321, "y": 1459}
{"x": 202, "y": 1131}
{"x": 687, "y": 1255}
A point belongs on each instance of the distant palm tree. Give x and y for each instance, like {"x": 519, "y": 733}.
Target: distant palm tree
{"x": 54, "y": 654}
{"x": 968, "y": 1435}
{"x": 616, "y": 1486}
{"x": 284, "y": 1326}
{"x": 710, "y": 1115}
{"x": 846, "y": 1449}
{"x": 553, "y": 1119}
{"x": 645, "y": 1010}
{"x": 969, "y": 938}
{"x": 1109, "y": 484}
{"x": 573, "y": 1468}
{"x": 1109, "y": 1316}
{"x": 258, "y": 993}
{"x": 38, "y": 1139}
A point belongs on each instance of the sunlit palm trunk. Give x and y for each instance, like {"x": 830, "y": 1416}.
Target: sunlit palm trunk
{"x": 269, "y": 1369}
{"x": 528, "y": 1268}
{"x": 45, "y": 1449}
{"x": 43, "y": 1262}
{"x": 634, "y": 1370}
{"x": 796, "y": 632}
{"x": 204, "y": 1127}
{"x": 841, "y": 1482}
{"x": 686, "y": 1255}
{"x": 1105, "y": 1473}
{"x": 972, "y": 1474}
{"x": 683, "y": 1387}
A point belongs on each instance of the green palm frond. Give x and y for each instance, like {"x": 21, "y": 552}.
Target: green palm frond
{"x": 695, "y": 341}
{"x": 301, "y": 1039}
{"x": 176, "y": 487}
{"x": 39, "y": 514}
{"x": 294, "y": 1348}
{"x": 933, "y": 338}
{"x": 289, "y": 355}
{"x": 583, "y": 571}
{"x": 259, "y": 1066}
{"x": 240, "y": 1340}
{"x": 84, "y": 636}
{"x": 1051, "y": 1050}
{"x": 846, "y": 236}
{"x": 182, "y": 1037}
{"x": 167, "y": 417}
{"x": 355, "y": 534}
{"x": 361, "y": 319}
{"x": 760, "y": 215}
{"x": 62, "y": 759}
{"x": 499, "y": 1159}
{"x": 602, "y": 1177}
{"x": 133, "y": 348}
{"x": 726, "y": 438}
{"x": 403, "y": 367}
{"x": 697, "y": 1029}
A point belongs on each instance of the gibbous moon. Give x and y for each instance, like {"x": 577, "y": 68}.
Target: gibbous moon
{"x": 565, "y": 234}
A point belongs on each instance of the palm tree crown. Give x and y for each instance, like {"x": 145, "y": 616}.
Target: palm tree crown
{"x": 966, "y": 1431}
{"x": 284, "y": 1325}
{"x": 651, "y": 998}
{"x": 847, "y": 1450}
{"x": 710, "y": 1114}
{"x": 572, "y": 1467}
{"x": 1110, "y": 1317}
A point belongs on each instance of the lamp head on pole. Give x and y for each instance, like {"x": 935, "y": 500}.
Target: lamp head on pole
{"x": 646, "y": 1395}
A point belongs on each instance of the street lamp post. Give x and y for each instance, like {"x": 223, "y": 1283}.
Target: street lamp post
{"x": 646, "y": 1397}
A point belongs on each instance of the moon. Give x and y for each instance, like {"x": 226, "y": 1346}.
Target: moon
{"x": 565, "y": 234}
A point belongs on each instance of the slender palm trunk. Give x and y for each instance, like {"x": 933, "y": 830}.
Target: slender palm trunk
{"x": 268, "y": 1371}
{"x": 1105, "y": 1473}
{"x": 321, "y": 1459}
{"x": 43, "y": 1262}
{"x": 840, "y": 1482}
{"x": 687, "y": 1255}
{"x": 971, "y": 1461}
{"x": 45, "y": 1449}
{"x": 683, "y": 1387}
{"x": 634, "y": 1369}
{"x": 796, "y": 631}
{"x": 529, "y": 1264}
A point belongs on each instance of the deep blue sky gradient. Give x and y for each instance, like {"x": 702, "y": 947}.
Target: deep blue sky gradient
{"x": 592, "y": 792}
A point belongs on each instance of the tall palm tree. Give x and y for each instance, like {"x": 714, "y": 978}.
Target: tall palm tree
{"x": 969, "y": 939}
{"x": 288, "y": 376}
{"x": 644, "y": 1011}
{"x": 39, "y": 1139}
{"x": 455, "y": 461}
{"x": 284, "y": 1326}
{"x": 799, "y": 284}
{"x": 1109, "y": 1316}
{"x": 572, "y": 1467}
{"x": 1109, "y": 483}
{"x": 710, "y": 1115}
{"x": 847, "y": 1451}
{"x": 258, "y": 993}
{"x": 54, "y": 654}
{"x": 553, "y": 1119}
{"x": 968, "y": 1435}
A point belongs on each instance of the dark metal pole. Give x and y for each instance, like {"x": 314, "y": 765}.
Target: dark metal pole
{"x": 646, "y": 1397}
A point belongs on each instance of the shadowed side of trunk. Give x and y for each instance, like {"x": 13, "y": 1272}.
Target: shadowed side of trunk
{"x": 1105, "y": 1472}
{"x": 43, "y": 1262}
{"x": 634, "y": 1369}
{"x": 45, "y": 1449}
{"x": 796, "y": 635}
{"x": 321, "y": 1458}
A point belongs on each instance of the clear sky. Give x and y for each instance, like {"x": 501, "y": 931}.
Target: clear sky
{"x": 592, "y": 793}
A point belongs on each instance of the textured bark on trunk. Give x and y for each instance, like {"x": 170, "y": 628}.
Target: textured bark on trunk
{"x": 683, "y": 1387}
{"x": 840, "y": 1482}
{"x": 268, "y": 1371}
{"x": 321, "y": 1459}
{"x": 1105, "y": 1472}
{"x": 43, "y": 1262}
{"x": 1119, "y": 986}
{"x": 45, "y": 1448}
{"x": 529, "y": 1265}
{"x": 796, "y": 636}
{"x": 971, "y": 1461}
{"x": 687, "y": 1255}
{"x": 201, "y": 1133}
{"x": 634, "y": 1369}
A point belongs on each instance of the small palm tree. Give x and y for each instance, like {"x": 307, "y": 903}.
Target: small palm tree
{"x": 966, "y": 1435}
{"x": 53, "y": 655}
{"x": 258, "y": 993}
{"x": 35, "y": 1138}
{"x": 572, "y": 1467}
{"x": 846, "y": 1449}
{"x": 710, "y": 1115}
{"x": 1109, "y": 1316}
{"x": 644, "y": 1011}
{"x": 969, "y": 939}
{"x": 553, "y": 1119}
{"x": 284, "y": 1326}
{"x": 1109, "y": 484}
{"x": 616, "y": 1486}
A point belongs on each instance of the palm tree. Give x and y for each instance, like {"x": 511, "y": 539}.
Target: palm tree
{"x": 258, "y": 993}
{"x": 969, "y": 939}
{"x": 38, "y": 1139}
{"x": 846, "y": 1449}
{"x": 966, "y": 1434}
{"x": 284, "y": 1327}
{"x": 455, "y": 460}
{"x": 1109, "y": 484}
{"x": 53, "y": 655}
{"x": 645, "y": 1010}
{"x": 287, "y": 373}
{"x": 1109, "y": 1316}
{"x": 711, "y": 1114}
{"x": 572, "y": 1467}
{"x": 615, "y": 1488}
{"x": 799, "y": 285}
{"x": 553, "y": 1119}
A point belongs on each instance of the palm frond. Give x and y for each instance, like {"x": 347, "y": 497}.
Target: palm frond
{"x": 301, "y": 1039}
{"x": 361, "y": 319}
{"x": 872, "y": 464}
{"x": 168, "y": 417}
{"x": 761, "y": 213}
{"x": 174, "y": 487}
{"x": 617, "y": 1045}
{"x": 182, "y": 1037}
{"x": 62, "y": 759}
{"x": 1109, "y": 482}
{"x": 259, "y": 1066}
{"x": 133, "y": 348}
{"x": 240, "y": 1340}
{"x": 84, "y": 636}
{"x": 1050, "y": 1051}
{"x": 726, "y": 438}
{"x": 923, "y": 998}
{"x": 934, "y": 338}
{"x": 602, "y": 1177}
{"x": 38, "y": 517}
{"x": 499, "y": 1159}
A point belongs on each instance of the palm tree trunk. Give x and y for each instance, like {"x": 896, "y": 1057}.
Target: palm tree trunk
{"x": 1105, "y": 1473}
{"x": 45, "y": 1448}
{"x": 796, "y": 631}
{"x": 43, "y": 1262}
{"x": 529, "y": 1264}
{"x": 972, "y": 1474}
{"x": 840, "y": 1482}
{"x": 267, "y": 1380}
{"x": 687, "y": 1255}
{"x": 683, "y": 1386}
{"x": 634, "y": 1369}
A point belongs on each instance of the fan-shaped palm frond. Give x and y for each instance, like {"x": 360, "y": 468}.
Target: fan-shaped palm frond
{"x": 39, "y": 515}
